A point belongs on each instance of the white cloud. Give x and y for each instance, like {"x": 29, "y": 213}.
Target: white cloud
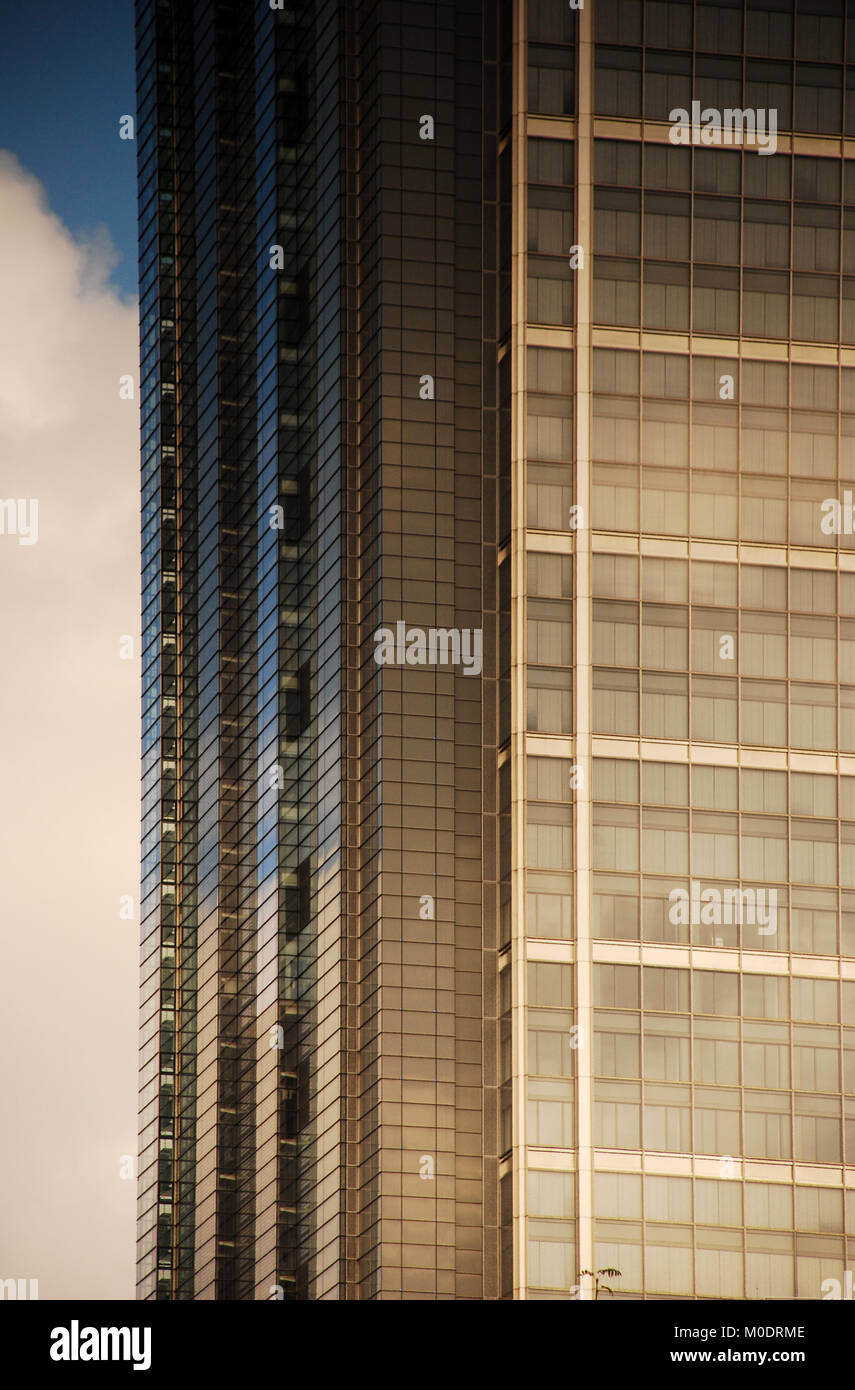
{"x": 68, "y": 756}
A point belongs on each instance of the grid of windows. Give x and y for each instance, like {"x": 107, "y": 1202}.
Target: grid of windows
{"x": 674, "y": 1046}
{"x": 549, "y": 432}
{"x": 704, "y": 903}
{"x": 740, "y": 832}
{"x": 720, "y": 242}
{"x": 723, "y": 449}
{"x": 325, "y": 288}
{"x": 550, "y": 291}
{"x": 551, "y": 33}
{"x": 723, "y": 653}
{"x": 798, "y": 58}
{"x": 675, "y": 1237}
{"x": 343, "y": 968}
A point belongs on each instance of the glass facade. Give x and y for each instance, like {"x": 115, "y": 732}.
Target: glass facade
{"x": 681, "y": 978}
{"x": 322, "y": 207}
{"x": 467, "y": 978}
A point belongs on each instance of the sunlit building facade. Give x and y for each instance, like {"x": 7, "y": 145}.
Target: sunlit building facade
{"x": 499, "y": 640}
{"x": 688, "y": 387}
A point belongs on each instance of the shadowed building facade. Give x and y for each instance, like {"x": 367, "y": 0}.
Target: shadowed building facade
{"x": 319, "y": 382}
{"x": 462, "y": 978}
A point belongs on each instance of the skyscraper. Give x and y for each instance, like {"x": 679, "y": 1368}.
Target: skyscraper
{"x": 498, "y": 371}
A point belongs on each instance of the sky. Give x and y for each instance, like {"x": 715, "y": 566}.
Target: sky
{"x": 69, "y": 692}
{"x": 66, "y": 79}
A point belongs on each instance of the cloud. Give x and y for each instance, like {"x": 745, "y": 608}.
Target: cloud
{"x": 69, "y": 797}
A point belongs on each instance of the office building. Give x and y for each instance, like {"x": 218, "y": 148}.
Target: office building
{"x": 498, "y": 372}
